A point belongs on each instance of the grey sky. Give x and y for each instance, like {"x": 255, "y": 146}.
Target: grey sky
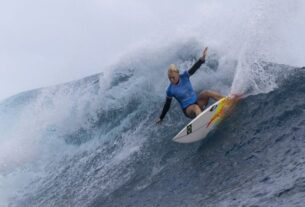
{"x": 48, "y": 42}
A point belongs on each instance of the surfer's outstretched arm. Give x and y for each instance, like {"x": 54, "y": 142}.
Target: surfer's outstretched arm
{"x": 199, "y": 62}
{"x": 166, "y": 107}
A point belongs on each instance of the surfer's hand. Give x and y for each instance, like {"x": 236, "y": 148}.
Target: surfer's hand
{"x": 158, "y": 121}
{"x": 204, "y": 54}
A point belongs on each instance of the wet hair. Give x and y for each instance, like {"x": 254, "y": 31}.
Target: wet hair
{"x": 173, "y": 68}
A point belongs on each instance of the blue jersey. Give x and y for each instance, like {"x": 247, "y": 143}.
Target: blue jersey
{"x": 183, "y": 91}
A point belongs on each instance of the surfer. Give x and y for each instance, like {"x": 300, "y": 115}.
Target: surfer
{"x": 181, "y": 89}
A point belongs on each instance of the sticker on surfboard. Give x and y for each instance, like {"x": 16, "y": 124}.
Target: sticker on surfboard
{"x": 189, "y": 129}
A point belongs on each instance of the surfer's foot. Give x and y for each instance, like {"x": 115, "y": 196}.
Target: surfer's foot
{"x": 236, "y": 96}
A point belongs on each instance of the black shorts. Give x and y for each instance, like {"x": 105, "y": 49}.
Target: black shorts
{"x": 184, "y": 111}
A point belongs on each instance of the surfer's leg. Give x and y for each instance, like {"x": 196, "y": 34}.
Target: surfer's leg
{"x": 192, "y": 111}
{"x": 204, "y": 96}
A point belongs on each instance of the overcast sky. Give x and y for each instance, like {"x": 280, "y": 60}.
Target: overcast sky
{"x": 45, "y": 42}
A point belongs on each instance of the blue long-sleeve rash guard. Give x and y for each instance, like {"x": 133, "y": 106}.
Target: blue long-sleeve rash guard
{"x": 183, "y": 92}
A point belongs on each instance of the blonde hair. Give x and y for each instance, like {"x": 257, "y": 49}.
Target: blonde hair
{"x": 173, "y": 69}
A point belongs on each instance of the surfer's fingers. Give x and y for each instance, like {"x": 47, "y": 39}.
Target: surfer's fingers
{"x": 205, "y": 52}
{"x": 158, "y": 121}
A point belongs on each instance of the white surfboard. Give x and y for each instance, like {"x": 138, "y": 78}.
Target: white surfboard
{"x": 199, "y": 127}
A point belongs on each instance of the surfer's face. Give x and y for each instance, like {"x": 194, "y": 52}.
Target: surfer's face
{"x": 173, "y": 77}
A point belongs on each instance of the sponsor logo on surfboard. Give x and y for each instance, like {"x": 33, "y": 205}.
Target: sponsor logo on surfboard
{"x": 218, "y": 114}
{"x": 213, "y": 108}
{"x": 189, "y": 129}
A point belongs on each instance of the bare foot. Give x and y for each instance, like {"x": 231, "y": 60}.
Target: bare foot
{"x": 231, "y": 102}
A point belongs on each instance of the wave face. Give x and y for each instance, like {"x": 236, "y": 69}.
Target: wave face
{"x": 93, "y": 142}
{"x": 255, "y": 158}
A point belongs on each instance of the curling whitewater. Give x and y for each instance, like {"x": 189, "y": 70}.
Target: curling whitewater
{"x": 94, "y": 142}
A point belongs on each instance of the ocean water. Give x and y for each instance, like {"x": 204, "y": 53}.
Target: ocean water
{"x": 94, "y": 141}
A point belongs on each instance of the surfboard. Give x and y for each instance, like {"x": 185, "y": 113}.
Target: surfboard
{"x": 200, "y": 127}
